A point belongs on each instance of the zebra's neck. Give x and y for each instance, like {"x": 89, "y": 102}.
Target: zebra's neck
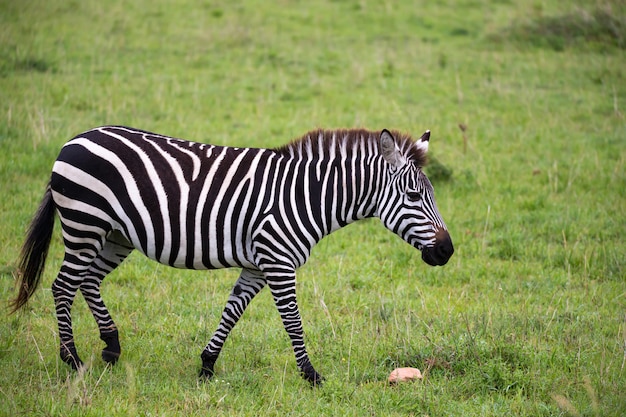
{"x": 339, "y": 176}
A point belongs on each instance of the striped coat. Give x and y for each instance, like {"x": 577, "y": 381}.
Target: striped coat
{"x": 198, "y": 206}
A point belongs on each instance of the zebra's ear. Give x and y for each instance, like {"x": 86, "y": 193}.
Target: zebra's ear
{"x": 391, "y": 152}
{"x": 423, "y": 142}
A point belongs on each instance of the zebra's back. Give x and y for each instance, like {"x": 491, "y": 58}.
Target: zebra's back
{"x": 184, "y": 204}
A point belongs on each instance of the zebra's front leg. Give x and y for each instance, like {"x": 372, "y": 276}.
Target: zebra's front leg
{"x": 283, "y": 290}
{"x": 247, "y": 286}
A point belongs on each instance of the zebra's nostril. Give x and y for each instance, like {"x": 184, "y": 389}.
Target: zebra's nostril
{"x": 446, "y": 249}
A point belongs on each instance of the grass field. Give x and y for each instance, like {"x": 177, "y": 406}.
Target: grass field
{"x": 526, "y": 101}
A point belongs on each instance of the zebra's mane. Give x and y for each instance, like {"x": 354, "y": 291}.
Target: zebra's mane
{"x": 348, "y": 140}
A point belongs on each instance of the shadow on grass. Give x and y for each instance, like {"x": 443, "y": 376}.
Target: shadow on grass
{"x": 11, "y": 64}
{"x": 601, "y": 29}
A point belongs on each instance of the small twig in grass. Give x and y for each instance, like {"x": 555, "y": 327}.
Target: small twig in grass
{"x": 471, "y": 336}
{"x": 350, "y": 349}
{"x": 41, "y": 358}
{"x": 463, "y": 128}
{"x": 615, "y": 106}
{"x": 485, "y": 228}
{"x": 106, "y": 368}
{"x": 551, "y": 320}
{"x": 282, "y": 378}
{"x": 131, "y": 389}
{"x": 330, "y": 320}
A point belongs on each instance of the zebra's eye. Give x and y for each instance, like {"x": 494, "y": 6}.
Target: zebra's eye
{"x": 413, "y": 196}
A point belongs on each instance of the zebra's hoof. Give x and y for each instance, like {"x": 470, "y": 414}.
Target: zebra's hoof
{"x": 206, "y": 373}
{"x": 208, "y": 364}
{"x": 110, "y": 357}
{"x": 112, "y": 351}
{"x": 310, "y": 374}
{"x": 70, "y": 356}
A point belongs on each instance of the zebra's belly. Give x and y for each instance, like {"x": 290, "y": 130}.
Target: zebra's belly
{"x": 198, "y": 257}
{"x": 199, "y": 264}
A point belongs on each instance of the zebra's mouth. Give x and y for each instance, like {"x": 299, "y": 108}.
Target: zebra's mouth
{"x": 440, "y": 252}
{"x": 431, "y": 258}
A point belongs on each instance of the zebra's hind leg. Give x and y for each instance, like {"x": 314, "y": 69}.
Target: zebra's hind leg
{"x": 115, "y": 250}
{"x": 64, "y": 290}
{"x": 247, "y": 286}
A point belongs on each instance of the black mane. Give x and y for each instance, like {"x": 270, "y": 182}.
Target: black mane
{"x": 348, "y": 139}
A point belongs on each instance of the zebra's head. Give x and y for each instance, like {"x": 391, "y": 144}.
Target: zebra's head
{"x": 407, "y": 205}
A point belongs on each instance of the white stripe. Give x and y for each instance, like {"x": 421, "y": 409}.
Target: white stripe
{"x": 202, "y": 198}
{"x": 168, "y": 249}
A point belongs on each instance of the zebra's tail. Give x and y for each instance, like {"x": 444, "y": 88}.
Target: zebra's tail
{"x": 34, "y": 251}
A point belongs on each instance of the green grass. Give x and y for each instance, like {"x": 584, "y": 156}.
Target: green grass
{"x": 527, "y": 319}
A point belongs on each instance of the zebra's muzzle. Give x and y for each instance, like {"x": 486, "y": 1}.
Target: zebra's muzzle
{"x": 441, "y": 251}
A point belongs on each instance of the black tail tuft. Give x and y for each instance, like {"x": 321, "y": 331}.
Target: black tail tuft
{"x": 34, "y": 251}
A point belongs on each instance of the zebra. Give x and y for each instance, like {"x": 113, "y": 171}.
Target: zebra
{"x": 198, "y": 206}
